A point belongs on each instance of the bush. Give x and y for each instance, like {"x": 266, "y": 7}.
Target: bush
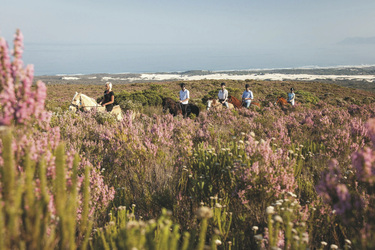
{"x": 145, "y": 98}
{"x": 306, "y": 97}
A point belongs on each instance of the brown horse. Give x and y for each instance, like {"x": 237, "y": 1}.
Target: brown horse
{"x": 175, "y": 107}
{"x": 281, "y": 101}
{"x": 238, "y": 104}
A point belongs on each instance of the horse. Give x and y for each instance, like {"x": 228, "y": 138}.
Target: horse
{"x": 87, "y": 103}
{"x": 175, "y": 107}
{"x": 216, "y": 105}
{"x": 238, "y": 104}
{"x": 281, "y": 101}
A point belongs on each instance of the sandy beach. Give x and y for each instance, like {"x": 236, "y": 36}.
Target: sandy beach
{"x": 188, "y": 76}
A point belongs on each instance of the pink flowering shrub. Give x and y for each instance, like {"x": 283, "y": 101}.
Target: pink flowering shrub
{"x": 241, "y": 161}
{"x": 267, "y": 173}
{"x": 22, "y": 110}
{"x": 160, "y": 161}
{"x": 18, "y": 101}
{"x": 350, "y": 191}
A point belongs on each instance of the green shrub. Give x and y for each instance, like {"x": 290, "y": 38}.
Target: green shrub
{"x": 124, "y": 231}
{"x": 105, "y": 117}
{"x": 306, "y": 97}
{"x": 145, "y": 97}
{"x": 26, "y": 220}
{"x": 130, "y": 105}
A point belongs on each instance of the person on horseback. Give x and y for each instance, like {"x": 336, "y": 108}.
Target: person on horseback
{"x": 291, "y": 97}
{"x": 247, "y": 96}
{"x": 108, "y": 98}
{"x": 184, "y": 99}
{"x": 223, "y": 95}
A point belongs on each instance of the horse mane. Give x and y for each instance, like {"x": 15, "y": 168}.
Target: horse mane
{"x": 168, "y": 100}
{"x": 237, "y": 103}
{"x": 74, "y": 97}
{"x": 92, "y": 100}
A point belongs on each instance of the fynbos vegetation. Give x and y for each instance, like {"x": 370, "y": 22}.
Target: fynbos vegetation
{"x": 267, "y": 178}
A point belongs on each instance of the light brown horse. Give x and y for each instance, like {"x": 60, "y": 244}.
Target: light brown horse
{"x": 216, "y": 105}
{"x": 238, "y": 104}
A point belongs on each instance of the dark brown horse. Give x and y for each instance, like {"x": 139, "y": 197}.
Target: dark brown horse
{"x": 175, "y": 107}
{"x": 238, "y": 104}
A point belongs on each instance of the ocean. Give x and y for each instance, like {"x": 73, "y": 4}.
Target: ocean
{"x": 71, "y": 59}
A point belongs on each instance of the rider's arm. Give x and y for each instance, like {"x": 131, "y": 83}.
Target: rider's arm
{"x": 225, "y": 95}
{"x": 187, "y": 98}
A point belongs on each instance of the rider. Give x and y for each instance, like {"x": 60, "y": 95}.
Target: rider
{"x": 108, "y": 98}
{"x": 247, "y": 96}
{"x": 291, "y": 96}
{"x": 184, "y": 99}
{"x": 223, "y": 95}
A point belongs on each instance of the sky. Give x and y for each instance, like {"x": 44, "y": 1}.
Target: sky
{"x": 263, "y": 25}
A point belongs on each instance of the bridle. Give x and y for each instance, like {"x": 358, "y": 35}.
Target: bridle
{"x": 76, "y": 105}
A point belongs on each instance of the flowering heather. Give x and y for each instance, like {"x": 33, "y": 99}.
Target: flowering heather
{"x": 19, "y": 102}
{"x": 240, "y": 163}
{"x": 23, "y": 112}
{"x": 352, "y": 196}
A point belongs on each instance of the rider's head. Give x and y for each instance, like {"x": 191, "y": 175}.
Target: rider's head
{"x": 291, "y": 89}
{"x": 247, "y": 86}
{"x": 182, "y": 85}
{"x": 222, "y": 84}
{"x": 109, "y": 85}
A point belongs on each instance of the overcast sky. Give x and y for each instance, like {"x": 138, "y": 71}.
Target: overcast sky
{"x": 261, "y": 24}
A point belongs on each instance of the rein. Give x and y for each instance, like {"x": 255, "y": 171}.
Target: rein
{"x": 74, "y": 105}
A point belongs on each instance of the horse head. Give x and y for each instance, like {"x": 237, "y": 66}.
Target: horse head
{"x": 212, "y": 102}
{"x": 76, "y": 102}
{"x": 165, "y": 105}
{"x": 237, "y": 103}
{"x": 171, "y": 105}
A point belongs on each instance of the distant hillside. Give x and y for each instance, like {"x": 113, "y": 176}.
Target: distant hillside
{"x": 352, "y": 77}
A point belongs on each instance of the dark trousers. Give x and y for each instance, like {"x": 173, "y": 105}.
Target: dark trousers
{"x": 184, "y": 109}
{"x": 109, "y": 107}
